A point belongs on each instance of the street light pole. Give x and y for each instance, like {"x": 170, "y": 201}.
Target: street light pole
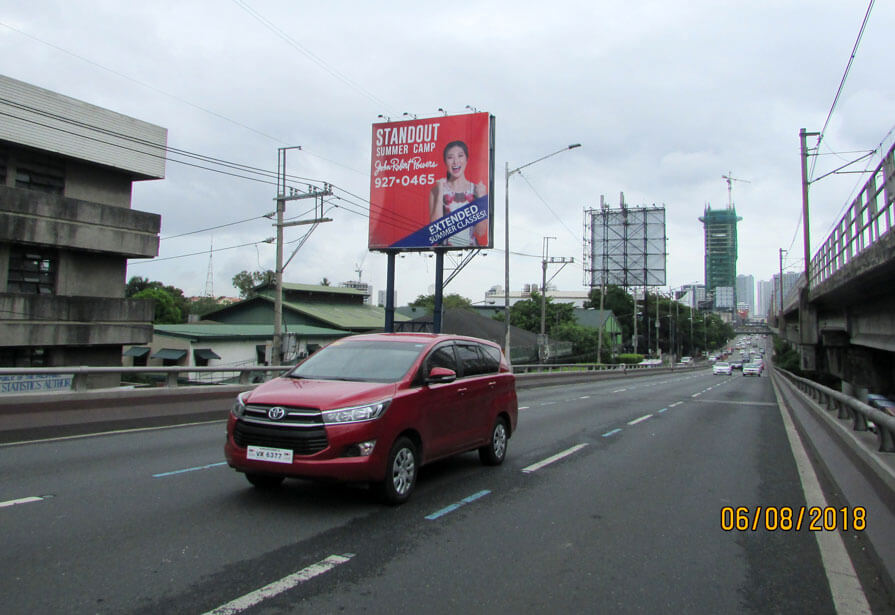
{"x": 506, "y": 296}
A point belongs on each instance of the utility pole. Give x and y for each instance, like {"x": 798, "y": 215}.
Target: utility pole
{"x": 807, "y": 235}
{"x": 281, "y": 198}
{"x": 542, "y": 342}
{"x": 781, "y": 285}
{"x": 636, "y": 294}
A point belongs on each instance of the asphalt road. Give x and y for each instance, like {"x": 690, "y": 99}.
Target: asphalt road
{"x": 610, "y": 501}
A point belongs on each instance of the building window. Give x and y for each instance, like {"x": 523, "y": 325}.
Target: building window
{"x": 23, "y": 357}
{"x": 32, "y": 271}
{"x": 4, "y": 155}
{"x": 40, "y": 172}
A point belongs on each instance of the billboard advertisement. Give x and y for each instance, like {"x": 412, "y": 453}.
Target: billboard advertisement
{"x": 432, "y": 183}
{"x": 625, "y": 247}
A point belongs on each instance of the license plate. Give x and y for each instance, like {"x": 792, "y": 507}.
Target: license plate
{"x": 263, "y": 453}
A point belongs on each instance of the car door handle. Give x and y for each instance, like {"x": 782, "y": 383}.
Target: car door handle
{"x": 492, "y": 384}
{"x": 461, "y": 391}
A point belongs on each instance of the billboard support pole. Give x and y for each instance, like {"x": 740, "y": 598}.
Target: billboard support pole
{"x": 439, "y": 291}
{"x": 390, "y": 293}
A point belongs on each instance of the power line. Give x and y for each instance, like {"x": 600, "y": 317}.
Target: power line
{"x": 311, "y": 56}
{"x": 140, "y": 83}
{"x": 848, "y": 66}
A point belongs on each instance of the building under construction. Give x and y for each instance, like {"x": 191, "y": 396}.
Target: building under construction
{"x": 720, "y": 247}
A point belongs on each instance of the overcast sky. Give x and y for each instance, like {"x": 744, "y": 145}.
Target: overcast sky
{"x": 665, "y": 98}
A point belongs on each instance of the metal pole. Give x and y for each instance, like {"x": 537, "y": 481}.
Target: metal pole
{"x": 439, "y": 291}
{"x": 390, "y": 293}
{"x": 276, "y": 348}
{"x": 781, "y": 286}
{"x": 635, "y": 321}
{"x": 506, "y": 272}
{"x": 805, "y": 230}
{"x": 544, "y": 284}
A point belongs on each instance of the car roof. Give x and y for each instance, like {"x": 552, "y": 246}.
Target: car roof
{"x": 417, "y": 338}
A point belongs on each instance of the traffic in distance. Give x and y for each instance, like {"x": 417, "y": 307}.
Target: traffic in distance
{"x": 374, "y": 408}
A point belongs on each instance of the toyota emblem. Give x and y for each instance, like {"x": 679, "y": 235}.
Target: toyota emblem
{"x": 276, "y": 413}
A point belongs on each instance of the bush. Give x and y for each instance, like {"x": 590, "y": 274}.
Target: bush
{"x": 630, "y": 359}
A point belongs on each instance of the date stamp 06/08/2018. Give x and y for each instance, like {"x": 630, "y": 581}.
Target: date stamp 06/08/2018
{"x": 793, "y": 519}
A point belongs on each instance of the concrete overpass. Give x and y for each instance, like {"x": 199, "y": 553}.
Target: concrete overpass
{"x": 843, "y": 321}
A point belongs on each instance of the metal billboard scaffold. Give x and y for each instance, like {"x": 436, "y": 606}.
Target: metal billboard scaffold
{"x": 625, "y": 247}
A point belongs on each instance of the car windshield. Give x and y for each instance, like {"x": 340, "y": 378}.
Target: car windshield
{"x": 364, "y": 361}
{"x": 721, "y": 364}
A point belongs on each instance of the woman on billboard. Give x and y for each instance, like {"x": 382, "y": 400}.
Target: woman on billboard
{"x": 453, "y": 192}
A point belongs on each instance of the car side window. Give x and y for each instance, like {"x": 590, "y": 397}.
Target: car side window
{"x": 471, "y": 359}
{"x": 442, "y": 356}
{"x": 491, "y": 357}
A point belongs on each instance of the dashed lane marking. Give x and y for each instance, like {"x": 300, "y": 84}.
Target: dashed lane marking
{"x": 546, "y": 462}
{"x": 641, "y": 419}
{"x": 456, "y": 505}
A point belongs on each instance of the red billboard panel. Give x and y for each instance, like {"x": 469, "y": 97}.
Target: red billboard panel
{"x": 431, "y": 183}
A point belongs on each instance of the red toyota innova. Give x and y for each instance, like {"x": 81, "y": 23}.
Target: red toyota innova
{"x": 374, "y": 408}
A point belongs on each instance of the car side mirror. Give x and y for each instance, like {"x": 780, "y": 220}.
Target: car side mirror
{"x": 441, "y": 375}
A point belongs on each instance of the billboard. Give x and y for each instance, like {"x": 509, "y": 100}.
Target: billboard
{"x": 625, "y": 247}
{"x": 431, "y": 183}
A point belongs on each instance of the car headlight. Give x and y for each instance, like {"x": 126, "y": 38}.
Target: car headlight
{"x": 239, "y": 407}
{"x": 356, "y": 414}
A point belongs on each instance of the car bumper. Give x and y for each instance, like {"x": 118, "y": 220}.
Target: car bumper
{"x": 334, "y": 462}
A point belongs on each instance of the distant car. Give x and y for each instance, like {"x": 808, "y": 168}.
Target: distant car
{"x": 736, "y": 365}
{"x": 752, "y": 369}
{"x": 881, "y": 402}
{"x": 722, "y": 367}
{"x": 686, "y": 359}
{"x": 374, "y": 408}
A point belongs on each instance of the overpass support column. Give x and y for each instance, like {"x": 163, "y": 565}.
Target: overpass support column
{"x": 808, "y": 334}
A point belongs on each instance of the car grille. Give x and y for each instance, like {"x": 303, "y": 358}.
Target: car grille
{"x": 300, "y": 441}
{"x": 301, "y": 429}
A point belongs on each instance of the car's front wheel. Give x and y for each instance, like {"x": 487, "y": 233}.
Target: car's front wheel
{"x": 265, "y": 481}
{"x": 401, "y": 470}
{"x": 495, "y": 451}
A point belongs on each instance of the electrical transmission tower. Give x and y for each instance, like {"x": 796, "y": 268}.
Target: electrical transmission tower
{"x": 209, "y": 279}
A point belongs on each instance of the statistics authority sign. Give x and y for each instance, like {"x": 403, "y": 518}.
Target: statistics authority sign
{"x": 431, "y": 183}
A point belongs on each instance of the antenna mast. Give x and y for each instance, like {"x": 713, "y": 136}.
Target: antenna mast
{"x": 209, "y": 279}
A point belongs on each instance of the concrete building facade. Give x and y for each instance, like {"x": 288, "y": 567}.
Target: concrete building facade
{"x": 67, "y": 228}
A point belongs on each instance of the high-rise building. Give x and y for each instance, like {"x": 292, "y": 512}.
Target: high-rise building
{"x": 763, "y": 300}
{"x": 720, "y": 247}
{"x": 746, "y": 291}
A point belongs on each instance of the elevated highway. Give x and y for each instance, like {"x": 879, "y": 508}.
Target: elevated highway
{"x": 843, "y": 318}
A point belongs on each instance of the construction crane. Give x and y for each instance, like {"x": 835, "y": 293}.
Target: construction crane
{"x": 730, "y": 179}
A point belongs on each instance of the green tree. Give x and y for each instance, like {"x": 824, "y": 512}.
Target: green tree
{"x": 204, "y": 305}
{"x": 137, "y": 285}
{"x": 448, "y": 302}
{"x": 324, "y": 282}
{"x": 527, "y": 314}
{"x": 246, "y": 281}
{"x": 165, "y": 309}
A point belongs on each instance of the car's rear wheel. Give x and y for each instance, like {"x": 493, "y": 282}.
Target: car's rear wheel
{"x": 495, "y": 451}
{"x": 401, "y": 471}
{"x": 265, "y": 481}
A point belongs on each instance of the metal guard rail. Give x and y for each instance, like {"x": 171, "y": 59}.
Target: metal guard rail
{"x": 867, "y": 219}
{"x": 848, "y": 408}
{"x": 80, "y": 373}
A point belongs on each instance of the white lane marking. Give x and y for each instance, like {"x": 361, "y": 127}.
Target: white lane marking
{"x": 277, "y": 587}
{"x": 641, "y": 419}
{"x": 675, "y": 404}
{"x": 663, "y": 410}
{"x": 845, "y": 587}
{"x": 20, "y": 501}
{"x": 456, "y": 505}
{"x": 205, "y": 467}
{"x": 546, "y": 462}
{"x": 620, "y": 390}
{"x": 584, "y": 397}
{"x": 524, "y": 407}
{"x": 696, "y": 394}
{"x": 548, "y": 403}
{"x": 611, "y": 433}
